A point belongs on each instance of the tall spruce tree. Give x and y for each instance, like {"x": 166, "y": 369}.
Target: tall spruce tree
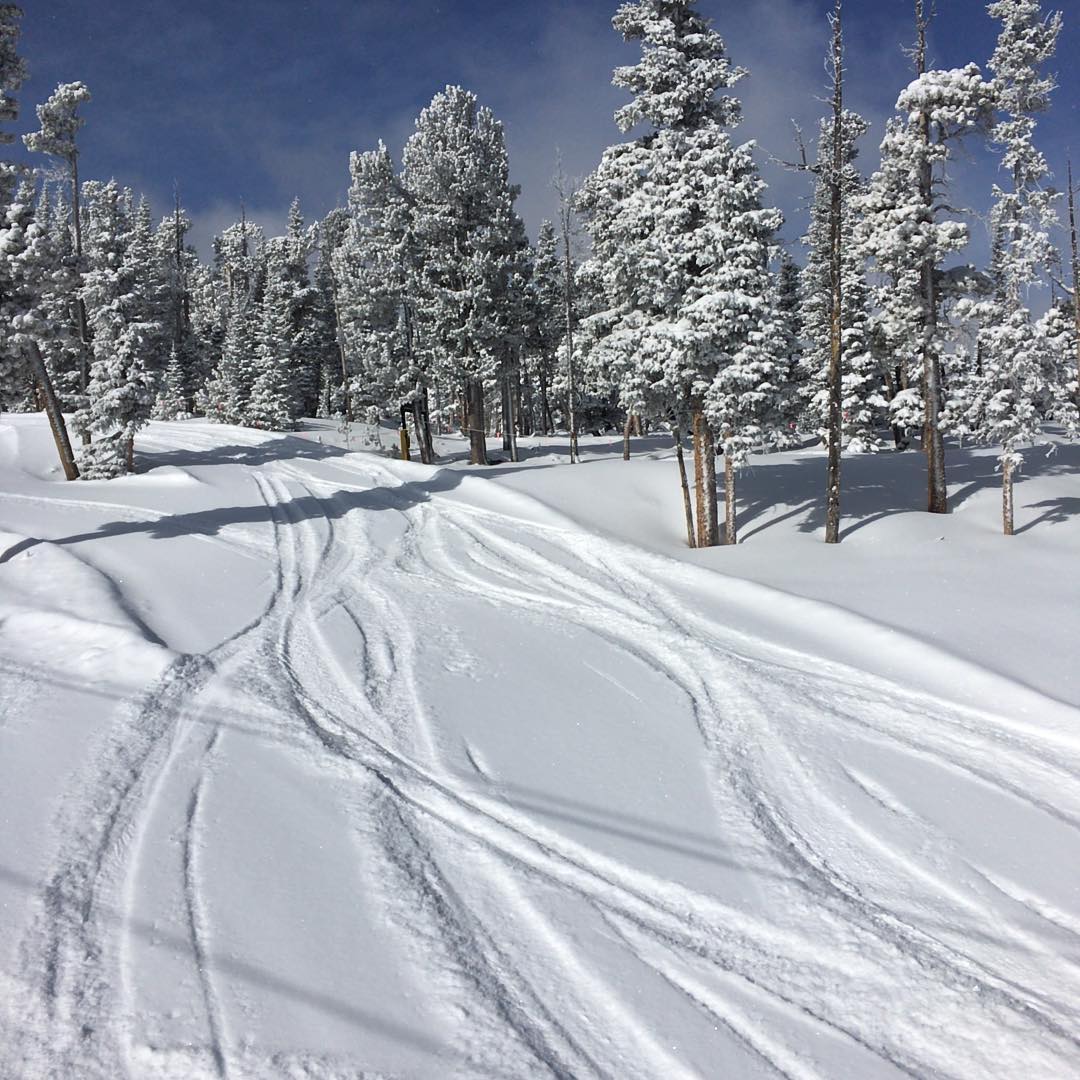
{"x": 1011, "y": 382}
{"x": 681, "y": 245}
{"x": 457, "y": 175}
{"x": 276, "y": 394}
{"x": 862, "y": 401}
{"x": 30, "y": 270}
{"x": 377, "y": 272}
{"x": 908, "y": 229}
{"x": 57, "y": 137}
{"x": 545, "y": 321}
{"x": 124, "y": 305}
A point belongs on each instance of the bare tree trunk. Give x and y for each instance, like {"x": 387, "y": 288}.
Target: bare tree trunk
{"x": 474, "y": 421}
{"x": 422, "y": 426}
{"x": 934, "y": 444}
{"x": 523, "y": 398}
{"x": 566, "y": 221}
{"x": 1075, "y": 276}
{"x": 626, "y": 436}
{"x": 691, "y": 540}
{"x": 507, "y": 413}
{"x": 699, "y": 479}
{"x": 129, "y": 453}
{"x": 1007, "y": 493}
{"x": 52, "y": 411}
{"x": 547, "y": 422}
{"x": 708, "y": 529}
{"x": 708, "y": 454}
{"x": 80, "y": 304}
{"x": 346, "y": 395}
{"x": 836, "y": 332}
{"x": 730, "y": 533}
{"x": 511, "y": 419}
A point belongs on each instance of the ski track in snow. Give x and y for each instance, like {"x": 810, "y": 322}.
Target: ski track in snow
{"x": 463, "y": 874}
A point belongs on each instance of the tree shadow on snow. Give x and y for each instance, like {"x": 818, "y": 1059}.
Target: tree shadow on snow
{"x": 286, "y": 447}
{"x": 1055, "y": 511}
{"x": 877, "y": 486}
{"x": 290, "y": 511}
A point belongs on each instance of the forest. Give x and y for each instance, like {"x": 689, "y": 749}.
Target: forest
{"x": 661, "y": 298}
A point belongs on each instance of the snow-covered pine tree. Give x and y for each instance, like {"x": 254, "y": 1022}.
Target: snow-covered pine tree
{"x": 275, "y": 400}
{"x": 62, "y": 351}
{"x": 57, "y": 137}
{"x": 376, "y": 269}
{"x": 303, "y": 315}
{"x": 788, "y": 346}
{"x": 30, "y": 269}
{"x": 335, "y": 399}
{"x": 13, "y": 74}
{"x": 123, "y": 302}
{"x": 239, "y": 260}
{"x": 171, "y": 402}
{"x": 510, "y": 316}
{"x": 31, "y": 275}
{"x": 457, "y": 175}
{"x": 906, "y": 231}
{"x": 1011, "y": 386}
{"x": 681, "y": 246}
{"x": 1056, "y": 334}
{"x": 228, "y": 390}
{"x": 187, "y": 361}
{"x": 209, "y": 317}
{"x": 862, "y": 400}
{"x": 545, "y": 321}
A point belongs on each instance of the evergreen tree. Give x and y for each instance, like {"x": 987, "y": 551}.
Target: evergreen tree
{"x": 906, "y": 231}
{"x": 681, "y": 246}
{"x": 179, "y": 266}
{"x": 456, "y": 173}
{"x": 334, "y": 367}
{"x": 275, "y": 398}
{"x": 862, "y": 401}
{"x": 172, "y": 402}
{"x": 124, "y": 304}
{"x": 30, "y": 271}
{"x": 788, "y": 349}
{"x": 376, "y": 269}
{"x": 544, "y": 320}
{"x": 303, "y": 301}
{"x": 229, "y": 387}
{"x": 1011, "y": 386}
{"x": 60, "y": 124}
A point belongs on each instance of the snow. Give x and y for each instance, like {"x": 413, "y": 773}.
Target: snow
{"x": 314, "y": 763}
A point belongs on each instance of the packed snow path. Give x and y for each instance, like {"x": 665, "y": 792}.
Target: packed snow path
{"x": 353, "y": 768}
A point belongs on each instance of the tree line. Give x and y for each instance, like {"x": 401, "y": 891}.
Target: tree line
{"x": 681, "y": 311}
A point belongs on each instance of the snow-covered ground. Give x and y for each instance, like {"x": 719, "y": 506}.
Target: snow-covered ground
{"x": 319, "y": 764}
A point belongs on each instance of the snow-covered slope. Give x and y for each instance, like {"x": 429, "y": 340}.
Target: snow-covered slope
{"x": 319, "y": 764}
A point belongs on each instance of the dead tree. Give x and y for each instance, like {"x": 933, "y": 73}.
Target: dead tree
{"x": 52, "y": 410}
{"x": 836, "y": 241}
{"x": 934, "y": 443}
{"x": 567, "y": 227}
{"x": 1075, "y": 276}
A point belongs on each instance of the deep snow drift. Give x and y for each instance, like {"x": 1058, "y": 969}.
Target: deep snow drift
{"x": 315, "y": 763}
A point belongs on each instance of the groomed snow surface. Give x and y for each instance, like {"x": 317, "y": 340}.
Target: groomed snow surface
{"x": 318, "y": 764}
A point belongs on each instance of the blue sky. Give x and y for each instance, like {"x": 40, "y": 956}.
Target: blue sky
{"x": 259, "y": 102}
